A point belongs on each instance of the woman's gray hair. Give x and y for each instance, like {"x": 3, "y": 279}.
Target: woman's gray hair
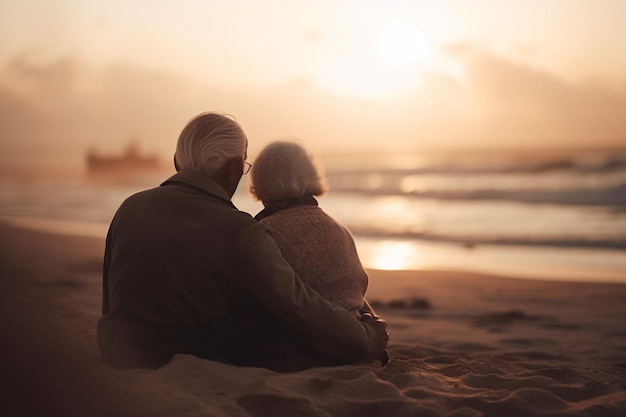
{"x": 208, "y": 141}
{"x": 285, "y": 170}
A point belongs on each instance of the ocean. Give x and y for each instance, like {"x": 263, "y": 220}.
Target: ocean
{"x": 558, "y": 215}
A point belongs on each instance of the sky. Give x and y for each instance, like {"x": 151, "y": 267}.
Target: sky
{"x": 338, "y": 75}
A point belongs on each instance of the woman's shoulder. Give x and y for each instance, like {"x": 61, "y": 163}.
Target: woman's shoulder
{"x": 295, "y": 213}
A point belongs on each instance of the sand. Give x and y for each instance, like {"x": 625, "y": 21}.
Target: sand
{"x": 461, "y": 345}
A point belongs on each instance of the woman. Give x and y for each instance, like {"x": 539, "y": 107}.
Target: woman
{"x": 321, "y": 251}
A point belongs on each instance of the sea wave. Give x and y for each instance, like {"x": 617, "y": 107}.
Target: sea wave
{"x": 470, "y": 242}
{"x": 608, "y": 196}
{"x": 497, "y": 163}
{"x": 587, "y": 179}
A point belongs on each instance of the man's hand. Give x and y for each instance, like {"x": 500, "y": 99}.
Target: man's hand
{"x": 380, "y": 327}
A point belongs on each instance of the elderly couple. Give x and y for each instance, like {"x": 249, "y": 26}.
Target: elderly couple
{"x": 186, "y": 272}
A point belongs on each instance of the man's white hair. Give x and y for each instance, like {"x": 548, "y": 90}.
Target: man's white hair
{"x": 208, "y": 141}
{"x": 285, "y": 170}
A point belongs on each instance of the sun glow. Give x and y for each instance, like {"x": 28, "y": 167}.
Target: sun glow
{"x": 400, "y": 44}
{"x": 387, "y": 60}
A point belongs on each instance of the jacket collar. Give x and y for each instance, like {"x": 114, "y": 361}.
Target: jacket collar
{"x": 201, "y": 182}
{"x": 276, "y": 206}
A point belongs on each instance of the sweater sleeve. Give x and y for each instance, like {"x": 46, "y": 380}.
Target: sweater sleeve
{"x": 325, "y": 328}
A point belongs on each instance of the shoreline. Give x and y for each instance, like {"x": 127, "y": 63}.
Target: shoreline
{"x": 544, "y": 264}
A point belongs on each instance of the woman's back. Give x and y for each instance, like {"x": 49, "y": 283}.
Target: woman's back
{"x": 321, "y": 252}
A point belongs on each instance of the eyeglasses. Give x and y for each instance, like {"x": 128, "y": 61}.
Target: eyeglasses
{"x": 246, "y": 167}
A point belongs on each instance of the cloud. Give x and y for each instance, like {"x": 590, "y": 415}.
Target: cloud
{"x": 53, "y": 78}
{"x": 529, "y": 106}
{"x": 52, "y": 111}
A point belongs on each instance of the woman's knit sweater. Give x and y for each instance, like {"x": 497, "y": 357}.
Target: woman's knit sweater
{"x": 322, "y": 253}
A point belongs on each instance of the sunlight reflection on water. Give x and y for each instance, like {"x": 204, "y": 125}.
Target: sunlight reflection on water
{"x": 561, "y": 264}
{"x": 393, "y": 255}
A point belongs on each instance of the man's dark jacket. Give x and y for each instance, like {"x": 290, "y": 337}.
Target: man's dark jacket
{"x": 186, "y": 272}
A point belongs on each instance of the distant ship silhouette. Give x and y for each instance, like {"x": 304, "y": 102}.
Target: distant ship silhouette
{"x": 132, "y": 160}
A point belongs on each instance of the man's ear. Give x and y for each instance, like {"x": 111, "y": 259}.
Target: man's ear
{"x": 229, "y": 175}
{"x": 235, "y": 170}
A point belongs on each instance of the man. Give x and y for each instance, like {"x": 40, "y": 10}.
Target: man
{"x": 186, "y": 272}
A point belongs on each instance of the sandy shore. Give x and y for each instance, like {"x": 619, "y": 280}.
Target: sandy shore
{"x": 461, "y": 345}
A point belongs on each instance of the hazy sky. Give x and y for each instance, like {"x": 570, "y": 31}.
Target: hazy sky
{"x": 393, "y": 75}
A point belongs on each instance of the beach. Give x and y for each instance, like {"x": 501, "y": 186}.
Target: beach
{"x": 462, "y": 344}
